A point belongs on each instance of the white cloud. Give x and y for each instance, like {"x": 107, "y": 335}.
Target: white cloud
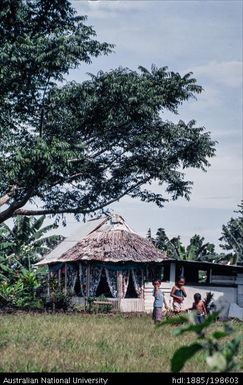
{"x": 220, "y": 187}
{"x": 209, "y": 98}
{"x": 101, "y": 9}
{"x": 228, "y": 73}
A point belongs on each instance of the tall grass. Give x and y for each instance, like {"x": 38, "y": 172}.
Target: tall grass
{"x": 89, "y": 343}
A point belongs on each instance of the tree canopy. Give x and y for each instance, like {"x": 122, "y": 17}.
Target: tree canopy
{"x": 77, "y": 147}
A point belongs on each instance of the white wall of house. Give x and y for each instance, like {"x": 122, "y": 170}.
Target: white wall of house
{"x": 132, "y": 305}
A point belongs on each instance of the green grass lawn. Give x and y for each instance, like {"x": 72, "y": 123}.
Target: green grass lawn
{"x": 89, "y": 343}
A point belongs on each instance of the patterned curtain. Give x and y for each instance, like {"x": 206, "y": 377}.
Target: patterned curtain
{"x": 137, "y": 276}
{"x": 95, "y": 275}
{"x": 125, "y": 282}
{"x": 83, "y": 279}
{"x": 72, "y": 275}
{"x": 111, "y": 277}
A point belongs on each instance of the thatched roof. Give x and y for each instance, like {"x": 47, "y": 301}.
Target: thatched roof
{"x": 111, "y": 241}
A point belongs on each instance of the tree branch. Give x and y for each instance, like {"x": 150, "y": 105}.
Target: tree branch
{"x": 9, "y": 212}
{"x": 6, "y": 197}
{"x": 77, "y": 210}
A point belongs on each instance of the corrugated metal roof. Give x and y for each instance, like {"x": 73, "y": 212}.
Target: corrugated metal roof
{"x": 210, "y": 264}
{"x": 72, "y": 240}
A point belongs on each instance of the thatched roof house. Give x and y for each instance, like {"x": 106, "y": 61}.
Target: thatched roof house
{"x": 112, "y": 240}
{"x": 110, "y": 259}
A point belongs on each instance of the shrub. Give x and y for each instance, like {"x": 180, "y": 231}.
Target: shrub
{"x": 21, "y": 293}
{"x": 220, "y": 357}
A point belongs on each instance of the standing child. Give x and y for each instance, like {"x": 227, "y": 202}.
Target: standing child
{"x": 199, "y": 306}
{"x": 159, "y": 301}
{"x": 178, "y": 293}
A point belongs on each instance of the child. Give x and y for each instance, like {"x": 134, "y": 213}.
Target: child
{"x": 178, "y": 293}
{"x": 199, "y": 307}
{"x": 159, "y": 301}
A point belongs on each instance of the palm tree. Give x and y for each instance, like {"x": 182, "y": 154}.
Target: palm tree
{"x": 232, "y": 236}
{"x": 5, "y": 270}
{"x": 24, "y": 244}
{"x": 197, "y": 250}
{"x": 161, "y": 239}
{"x": 149, "y": 236}
{"x": 176, "y": 249}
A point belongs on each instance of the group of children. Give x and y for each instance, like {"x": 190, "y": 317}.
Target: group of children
{"x": 178, "y": 293}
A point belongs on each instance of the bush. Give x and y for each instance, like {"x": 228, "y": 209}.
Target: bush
{"x": 58, "y": 300}
{"x": 21, "y": 293}
{"x": 219, "y": 356}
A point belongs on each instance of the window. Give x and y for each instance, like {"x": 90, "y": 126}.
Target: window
{"x": 154, "y": 272}
{"x": 131, "y": 292}
{"x": 77, "y": 288}
{"x": 103, "y": 287}
{"x": 202, "y": 276}
{"x": 193, "y": 274}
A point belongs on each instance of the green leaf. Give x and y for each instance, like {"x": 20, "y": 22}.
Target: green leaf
{"x": 217, "y": 362}
{"x": 197, "y": 328}
{"x": 182, "y": 355}
{"x": 232, "y": 347}
{"x": 219, "y": 334}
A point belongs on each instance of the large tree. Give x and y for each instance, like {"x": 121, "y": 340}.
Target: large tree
{"x": 232, "y": 237}
{"x": 76, "y": 148}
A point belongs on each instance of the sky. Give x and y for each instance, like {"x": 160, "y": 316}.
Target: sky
{"x": 203, "y": 37}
